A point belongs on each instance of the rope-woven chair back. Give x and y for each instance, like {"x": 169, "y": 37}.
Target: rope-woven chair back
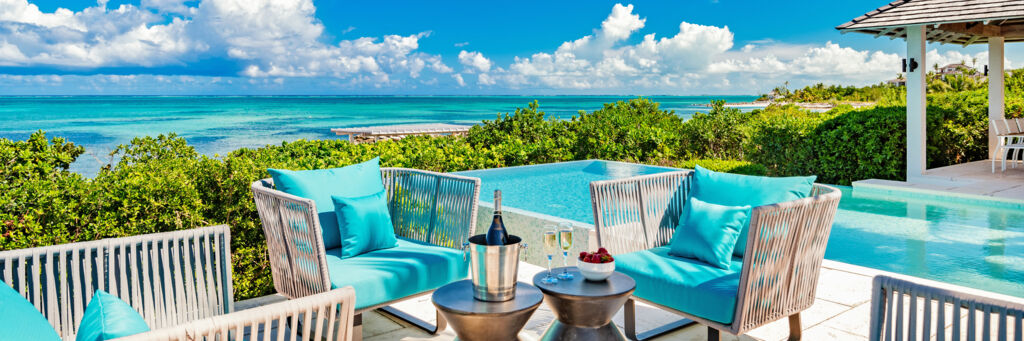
{"x": 430, "y": 208}
{"x": 170, "y": 278}
{"x": 294, "y": 243}
{"x": 326, "y": 316}
{"x": 916, "y": 309}
{"x": 638, "y": 213}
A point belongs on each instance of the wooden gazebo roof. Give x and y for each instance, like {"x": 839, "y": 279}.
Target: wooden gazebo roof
{"x": 962, "y": 22}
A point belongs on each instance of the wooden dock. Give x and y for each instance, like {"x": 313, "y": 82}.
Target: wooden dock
{"x": 396, "y": 132}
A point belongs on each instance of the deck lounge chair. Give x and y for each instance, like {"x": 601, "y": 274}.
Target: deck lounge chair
{"x": 180, "y": 282}
{"x": 432, "y": 213}
{"x": 636, "y": 217}
{"x": 905, "y": 308}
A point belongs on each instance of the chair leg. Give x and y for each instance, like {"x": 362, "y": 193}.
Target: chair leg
{"x": 713, "y": 334}
{"x": 357, "y": 327}
{"x": 795, "y": 330}
{"x": 630, "y": 321}
{"x": 433, "y": 329}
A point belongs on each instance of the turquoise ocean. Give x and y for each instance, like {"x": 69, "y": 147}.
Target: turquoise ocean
{"x": 218, "y": 125}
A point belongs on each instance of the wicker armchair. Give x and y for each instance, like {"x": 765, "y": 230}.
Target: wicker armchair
{"x": 178, "y": 280}
{"x": 785, "y": 247}
{"x": 429, "y": 207}
{"x": 905, "y": 308}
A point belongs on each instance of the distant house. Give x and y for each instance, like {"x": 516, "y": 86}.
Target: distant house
{"x": 897, "y": 82}
{"x": 957, "y": 69}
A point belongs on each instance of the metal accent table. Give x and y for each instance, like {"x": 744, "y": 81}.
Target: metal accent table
{"x": 473, "y": 320}
{"x": 584, "y": 309}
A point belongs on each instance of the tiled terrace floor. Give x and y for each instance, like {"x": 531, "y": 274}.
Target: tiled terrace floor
{"x": 840, "y": 313}
{"x": 969, "y": 179}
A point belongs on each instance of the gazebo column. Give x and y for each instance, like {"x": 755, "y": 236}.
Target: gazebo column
{"x": 916, "y": 102}
{"x": 996, "y": 105}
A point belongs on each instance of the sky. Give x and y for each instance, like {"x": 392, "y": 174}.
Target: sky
{"x": 334, "y": 47}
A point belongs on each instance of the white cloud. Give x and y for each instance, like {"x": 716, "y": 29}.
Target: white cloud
{"x": 697, "y": 58}
{"x": 458, "y": 79}
{"x": 475, "y": 60}
{"x": 485, "y": 79}
{"x": 264, "y": 38}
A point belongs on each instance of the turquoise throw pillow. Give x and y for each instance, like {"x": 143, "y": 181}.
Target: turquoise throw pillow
{"x": 19, "y": 319}
{"x": 746, "y": 190}
{"x": 356, "y": 180}
{"x": 108, "y": 317}
{"x": 709, "y": 232}
{"x": 365, "y": 224}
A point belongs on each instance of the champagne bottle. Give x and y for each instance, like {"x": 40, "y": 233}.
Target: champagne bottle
{"x": 496, "y": 234}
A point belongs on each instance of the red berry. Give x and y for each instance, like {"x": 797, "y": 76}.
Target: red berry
{"x": 583, "y": 254}
{"x": 606, "y": 258}
{"x": 602, "y": 250}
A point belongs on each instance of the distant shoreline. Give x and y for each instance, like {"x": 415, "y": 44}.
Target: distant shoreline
{"x": 803, "y": 105}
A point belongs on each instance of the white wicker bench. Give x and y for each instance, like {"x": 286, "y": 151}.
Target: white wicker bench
{"x": 180, "y": 282}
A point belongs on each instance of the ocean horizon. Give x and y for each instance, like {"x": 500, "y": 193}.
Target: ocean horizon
{"x": 216, "y": 125}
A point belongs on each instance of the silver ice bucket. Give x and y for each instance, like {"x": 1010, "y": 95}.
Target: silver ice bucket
{"x": 493, "y": 268}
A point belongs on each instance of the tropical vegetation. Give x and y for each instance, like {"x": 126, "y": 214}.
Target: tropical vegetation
{"x": 161, "y": 183}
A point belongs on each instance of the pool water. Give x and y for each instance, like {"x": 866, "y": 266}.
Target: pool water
{"x": 557, "y": 189}
{"x": 965, "y": 242}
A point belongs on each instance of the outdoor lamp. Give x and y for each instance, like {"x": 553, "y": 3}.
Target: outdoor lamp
{"x": 913, "y": 65}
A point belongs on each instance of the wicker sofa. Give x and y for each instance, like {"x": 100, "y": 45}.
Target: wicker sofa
{"x": 432, "y": 213}
{"x": 636, "y": 217}
{"x": 180, "y": 282}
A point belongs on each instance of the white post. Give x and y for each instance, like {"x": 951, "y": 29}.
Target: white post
{"x": 996, "y": 105}
{"x": 916, "y": 102}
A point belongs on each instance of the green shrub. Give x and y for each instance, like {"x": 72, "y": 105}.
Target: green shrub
{"x": 727, "y": 166}
{"x": 635, "y": 131}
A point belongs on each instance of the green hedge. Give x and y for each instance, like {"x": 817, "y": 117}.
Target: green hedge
{"x": 161, "y": 183}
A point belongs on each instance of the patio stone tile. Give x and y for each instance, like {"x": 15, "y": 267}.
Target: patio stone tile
{"x": 819, "y": 312}
{"x": 854, "y": 321}
{"x": 827, "y": 333}
{"x": 375, "y": 323}
{"x": 844, "y": 287}
{"x": 700, "y": 333}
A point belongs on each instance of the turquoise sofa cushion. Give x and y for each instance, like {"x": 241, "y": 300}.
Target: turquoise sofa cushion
{"x": 19, "y": 319}
{"x": 364, "y": 223}
{"x": 356, "y": 180}
{"x": 708, "y": 232}
{"x": 683, "y": 284}
{"x": 385, "y": 275}
{"x": 108, "y": 317}
{"x": 747, "y": 190}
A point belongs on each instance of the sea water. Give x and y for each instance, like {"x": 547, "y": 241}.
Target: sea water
{"x": 218, "y": 125}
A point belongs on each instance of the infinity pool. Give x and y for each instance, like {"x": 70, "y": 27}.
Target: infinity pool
{"x": 973, "y": 243}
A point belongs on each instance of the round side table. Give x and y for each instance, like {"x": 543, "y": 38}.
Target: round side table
{"x": 474, "y": 320}
{"x": 584, "y": 309}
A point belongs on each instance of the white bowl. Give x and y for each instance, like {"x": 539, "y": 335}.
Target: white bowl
{"x": 596, "y": 271}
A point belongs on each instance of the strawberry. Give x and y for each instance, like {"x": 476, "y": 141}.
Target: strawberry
{"x": 602, "y": 251}
{"x": 605, "y": 258}
{"x": 583, "y": 254}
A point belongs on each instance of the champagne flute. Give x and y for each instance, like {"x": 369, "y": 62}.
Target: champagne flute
{"x": 550, "y": 246}
{"x": 565, "y": 241}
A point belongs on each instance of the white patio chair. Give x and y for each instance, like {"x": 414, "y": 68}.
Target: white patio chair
{"x": 785, "y": 247}
{"x": 905, "y": 308}
{"x": 179, "y": 280}
{"x": 1011, "y": 142}
{"x": 428, "y": 207}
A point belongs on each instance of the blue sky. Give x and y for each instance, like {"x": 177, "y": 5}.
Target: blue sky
{"x": 299, "y": 47}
